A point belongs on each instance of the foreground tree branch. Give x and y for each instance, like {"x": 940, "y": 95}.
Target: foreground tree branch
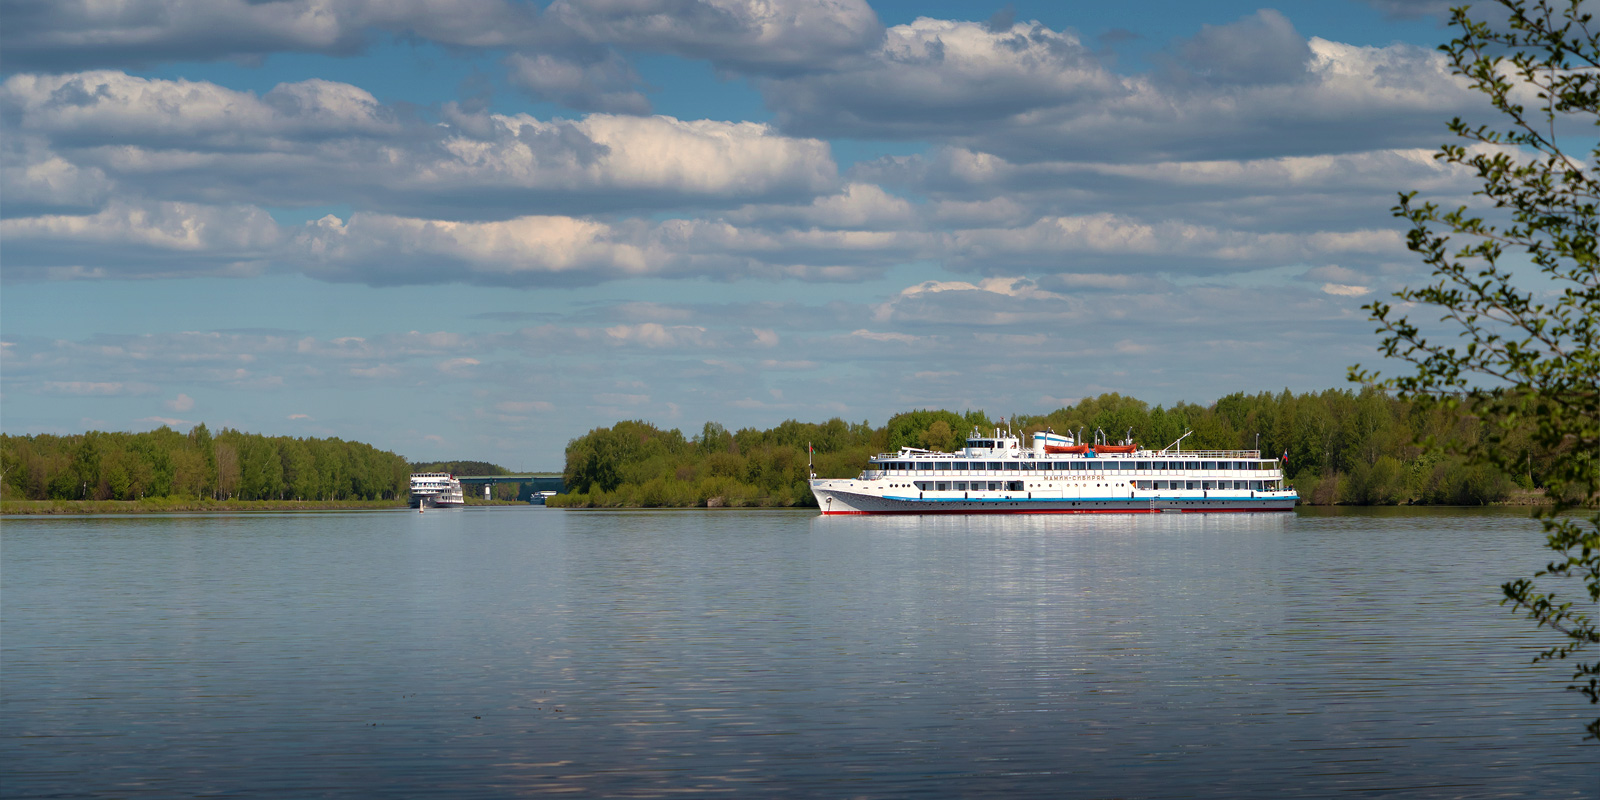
{"x": 1521, "y": 291}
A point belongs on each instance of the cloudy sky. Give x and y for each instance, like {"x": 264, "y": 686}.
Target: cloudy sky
{"x": 479, "y": 228}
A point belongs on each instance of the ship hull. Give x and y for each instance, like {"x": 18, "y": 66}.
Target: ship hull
{"x": 835, "y": 501}
{"x": 431, "y": 501}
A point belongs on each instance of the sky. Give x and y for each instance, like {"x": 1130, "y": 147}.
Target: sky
{"x": 476, "y": 229}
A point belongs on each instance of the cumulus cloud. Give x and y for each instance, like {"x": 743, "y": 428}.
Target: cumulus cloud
{"x": 1344, "y": 290}
{"x": 1167, "y": 245}
{"x": 302, "y": 143}
{"x": 385, "y": 249}
{"x": 655, "y": 335}
{"x": 36, "y": 180}
{"x": 91, "y": 388}
{"x": 747, "y": 35}
{"x": 169, "y": 422}
{"x": 943, "y": 78}
{"x": 381, "y": 249}
{"x": 70, "y": 34}
{"x": 1262, "y": 48}
{"x": 1030, "y": 93}
{"x": 523, "y": 407}
{"x": 1412, "y": 9}
{"x": 858, "y": 206}
{"x": 181, "y": 403}
{"x": 110, "y": 107}
{"x": 607, "y": 83}
{"x": 762, "y": 36}
{"x": 140, "y": 240}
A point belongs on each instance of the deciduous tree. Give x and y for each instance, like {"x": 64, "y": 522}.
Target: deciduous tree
{"x": 1516, "y": 278}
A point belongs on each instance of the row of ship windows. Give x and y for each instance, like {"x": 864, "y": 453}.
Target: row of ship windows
{"x": 1079, "y": 464}
{"x": 1017, "y": 486}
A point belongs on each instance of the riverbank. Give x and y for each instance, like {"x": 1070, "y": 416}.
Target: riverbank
{"x": 160, "y": 505}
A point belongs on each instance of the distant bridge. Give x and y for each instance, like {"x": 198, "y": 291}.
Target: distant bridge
{"x": 531, "y": 482}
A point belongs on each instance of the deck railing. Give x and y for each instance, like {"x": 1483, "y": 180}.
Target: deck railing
{"x": 1028, "y": 453}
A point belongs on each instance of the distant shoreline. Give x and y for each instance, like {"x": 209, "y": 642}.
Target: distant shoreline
{"x": 161, "y": 505}
{"x": 164, "y": 505}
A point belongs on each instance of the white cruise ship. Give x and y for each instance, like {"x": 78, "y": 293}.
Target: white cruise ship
{"x": 436, "y": 490}
{"x": 1058, "y": 475}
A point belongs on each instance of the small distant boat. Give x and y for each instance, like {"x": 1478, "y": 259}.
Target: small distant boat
{"x": 436, "y": 490}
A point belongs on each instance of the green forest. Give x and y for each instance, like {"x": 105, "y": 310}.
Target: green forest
{"x": 1344, "y": 447}
{"x": 230, "y": 465}
{"x": 460, "y": 467}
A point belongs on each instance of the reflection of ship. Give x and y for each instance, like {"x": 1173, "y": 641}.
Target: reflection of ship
{"x": 436, "y": 490}
{"x": 1058, "y": 475}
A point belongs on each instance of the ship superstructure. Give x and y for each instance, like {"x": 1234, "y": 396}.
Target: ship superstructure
{"x": 436, "y": 490}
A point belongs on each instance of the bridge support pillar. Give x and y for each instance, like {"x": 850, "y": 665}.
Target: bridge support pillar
{"x": 486, "y": 491}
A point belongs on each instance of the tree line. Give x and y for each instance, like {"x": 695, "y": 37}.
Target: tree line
{"x": 231, "y": 464}
{"x": 1361, "y": 447}
{"x": 460, "y": 467}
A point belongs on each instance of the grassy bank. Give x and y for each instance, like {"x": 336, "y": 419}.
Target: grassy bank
{"x": 159, "y": 505}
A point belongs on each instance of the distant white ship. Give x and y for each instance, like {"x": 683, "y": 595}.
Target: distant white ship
{"x": 436, "y": 490}
{"x": 1058, "y": 475}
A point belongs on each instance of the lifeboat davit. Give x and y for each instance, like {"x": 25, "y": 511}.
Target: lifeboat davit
{"x": 1066, "y": 448}
{"x": 1115, "y": 448}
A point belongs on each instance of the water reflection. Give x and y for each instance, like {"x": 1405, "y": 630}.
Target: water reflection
{"x": 523, "y": 651}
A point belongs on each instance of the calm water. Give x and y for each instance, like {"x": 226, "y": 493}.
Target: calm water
{"x": 521, "y": 651}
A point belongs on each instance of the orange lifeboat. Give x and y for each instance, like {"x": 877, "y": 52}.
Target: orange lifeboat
{"x": 1066, "y": 448}
{"x": 1115, "y": 448}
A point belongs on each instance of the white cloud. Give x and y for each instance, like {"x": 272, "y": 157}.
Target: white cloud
{"x": 883, "y": 336}
{"x": 1344, "y": 290}
{"x": 141, "y": 240}
{"x": 167, "y": 421}
{"x": 460, "y": 366}
{"x": 71, "y": 34}
{"x": 90, "y": 388}
{"x": 859, "y": 206}
{"x": 616, "y": 153}
{"x": 656, "y": 335}
{"x": 1165, "y": 244}
{"x": 113, "y": 107}
{"x": 381, "y": 248}
{"x": 523, "y": 407}
{"x": 181, "y": 403}
{"x": 751, "y": 35}
{"x": 605, "y": 84}
{"x": 1032, "y": 93}
{"x": 615, "y": 399}
{"x": 302, "y": 142}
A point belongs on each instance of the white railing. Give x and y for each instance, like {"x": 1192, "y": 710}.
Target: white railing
{"x": 1201, "y": 453}
{"x": 1028, "y": 454}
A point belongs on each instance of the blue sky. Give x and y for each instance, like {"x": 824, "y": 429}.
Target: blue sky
{"x": 479, "y": 229}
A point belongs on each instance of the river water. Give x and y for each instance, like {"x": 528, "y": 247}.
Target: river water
{"x": 504, "y": 652}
